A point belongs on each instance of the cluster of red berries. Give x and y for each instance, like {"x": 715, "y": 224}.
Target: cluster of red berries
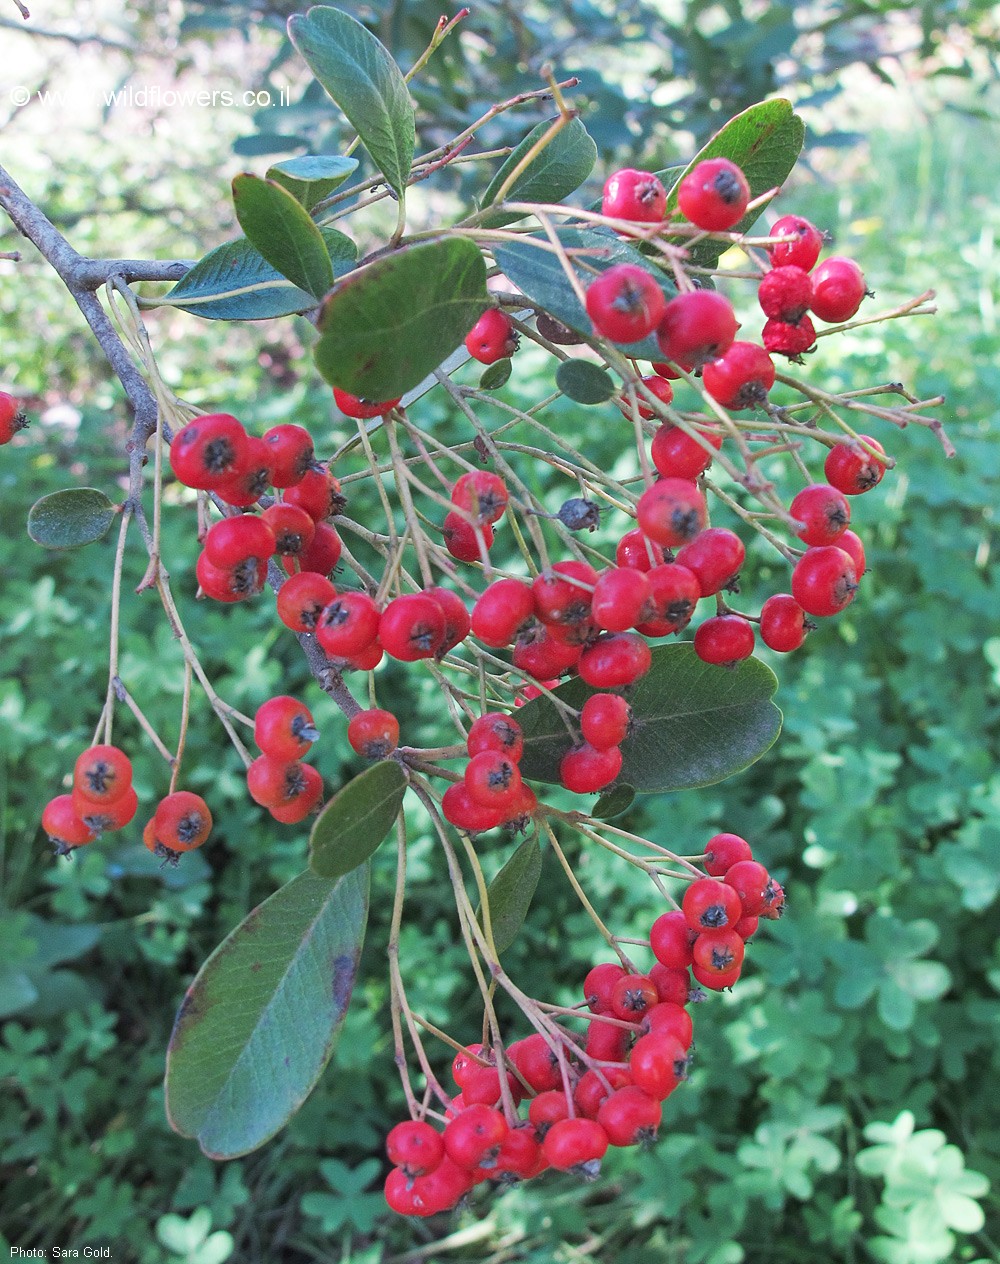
{"x": 491, "y": 792}
{"x": 607, "y": 1090}
{"x": 11, "y": 418}
{"x": 278, "y": 779}
{"x": 103, "y": 799}
{"x": 214, "y": 453}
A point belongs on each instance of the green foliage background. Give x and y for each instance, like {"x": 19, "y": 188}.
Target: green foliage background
{"x": 843, "y": 1100}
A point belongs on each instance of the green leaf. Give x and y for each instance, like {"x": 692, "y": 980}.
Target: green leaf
{"x": 764, "y": 141}
{"x": 539, "y": 274}
{"x": 311, "y": 178}
{"x": 359, "y": 74}
{"x": 261, "y": 1019}
{"x": 235, "y": 282}
{"x": 17, "y": 991}
{"x": 280, "y": 228}
{"x": 496, "y": 375}
{"x": 390, "y": 323}
{"x": 511, "y": 891}
{"x": 559, "y": 170}
{"x": 693, "y": 723}
{"x": 356, "y": 820}
{"x": 584, "y": 382}
{"x": 614, "y": 802}
{"x": 71, "y": 518}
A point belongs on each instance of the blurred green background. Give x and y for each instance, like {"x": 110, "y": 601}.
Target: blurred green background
{"x": 843, "y": 1102}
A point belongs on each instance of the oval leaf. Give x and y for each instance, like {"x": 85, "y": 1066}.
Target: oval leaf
{"x": 496, "y": 375}
{"x": 390, "y": 323}
{"x": 584, "y": 382}
{"x": 280, "y": 228}
{"x": 511, "y": 891}
{"x": 614, "y": 802}
{"x": 261, "y": 1019}
{"x": 71, "y": 518}
{"x": 559, "y": 170}
{"x": 764, "y": 141}
{"x": 311, "y": 178}
{"x": 356, "y": 820}
{"x": 539, "y": 274}
{"x": 359, "y": 74}
{"x": 693, "y": 723}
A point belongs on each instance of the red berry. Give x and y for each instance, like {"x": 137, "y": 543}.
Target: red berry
{"x": 625, "y": 303}
{"x": 615, "y": 659}
{"x": 518, "y": 1159}
{"x": 546, "y": 1109}
{"x": 630, "y": 1116}
{"x": 493, "y": 780}
{"x": 605, "y": 720}
{"x": 851, "y": 544}
{"x": 852, "y": 469}
{"x": 783, "y": 624}
{"x": 537, "y": 1062}
{"x": 323, "y": 553}
{"x": 465, "y": 541}
{"x": 585, "y": 770}
{"x": 746, "y": 927}
{"x": 838, "y": 287}
{"x": 697, "y": 326}
{"x": 492, "y": 337}
{"x": 711, "y": 905}
{"x": 251, "y": 478}
{"x": 606, "y": 1042}
{"x": 540, "y": 655}
{"x": 182, "y": 821}
{"x": 103, "y": 818}
{"x": 741, "y": 377}
{"x": 802, "y": 245}
{"x": 676, "y": 454}
{"x": 303, "y": 792}
{"x": 750, "y": 880}
{"x": 415, "y": 1146}
{"x": 658, "y": 1062}
{"x": 620, "y": 598}
{"x": 64, "y": 827}
{"x": 600, "y": 983}
{"x": 576, "y": 1143}
{"x": 11, "y": 420}
{"x": 632, "y": 995}
{"x": 634, "y": 195}
{"x": 292, "y": 454}
{"x": 461, "y": 810}
{"x": 230, "y": 583}
{"x": 457, "y": 622}
{"x": 714, "y": 558}
{"x": 723, "y": 851}
{"x": 102, "y": 775}
{"x": 714, "y": 195}
{"x": 301, "y": 599}
{"x": 672, "y": 512}
{"x": 412, "y": 627}
{"x": 564, "y": 592}
{"x": 670, "y": 938}
{"x": 318, "y": 493}
{"x": 718, "y": 951}
{"x": 473, "y": 1138}
{"x": 672, "y": 986}
{"x": 501, "y": 611}
{"x": 437, "y": 1191}
{"x": 785, "y": 293}
{"x": 348, "y": 625}
{"x": 774, "y": 903}
{"x": 284, "y": 729}
{"x": 657, "y": 386}
{"x": 824, "y": 580}
{"x": 823, "y": 512}
{"x": 715, "y": 980}
{"x": 638, "y": 551}
{"x": 724, "y": 640}
{"x": 668, "y": 1019}
{"x": 675, "y": 592}
{"x": 783, "y": 338}
{"x": 482, "y": 494}
{"x": 234, "y": 540}
{"x": 353, "y": 406}
{"x": 593, "y": 1089}
{"x": 496, "y": 732}
{"x": 292, "y": 528}
{"x": 206, "y": 451}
